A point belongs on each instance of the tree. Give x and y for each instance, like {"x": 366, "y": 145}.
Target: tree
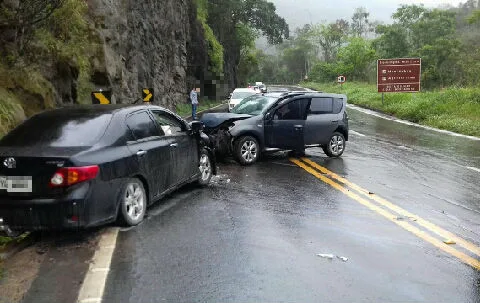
{"x": 475, "y": 17}
{"x": 330, "y": 37}
{"x": 393, "y": 41}
{"x": 355, "y": 59}
{"x": 360, "y": 25}
{"x": 20, "y": 19}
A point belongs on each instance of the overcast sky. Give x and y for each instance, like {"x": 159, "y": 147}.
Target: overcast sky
{"x": 299, "y": 12}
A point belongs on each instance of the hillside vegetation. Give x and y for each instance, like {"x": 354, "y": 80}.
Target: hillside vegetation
{"x": 455, "y": 109}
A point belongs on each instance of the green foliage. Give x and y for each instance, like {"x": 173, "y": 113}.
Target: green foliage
{"x": 455, "y": 109}
{"x": 356, "y": 58}
{"x": 11, "y": 111}
{"x": 66, "y": 38}
{"x": 185, "y": 109}
{"x": 215, "y": 49}
{"x": 475, "y": 17}
{"x": 330, "y": 38}
{"x": 393, "y": 41}
{"x": 261, "y": 15}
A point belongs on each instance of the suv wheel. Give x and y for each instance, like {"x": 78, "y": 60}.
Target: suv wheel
{"x": 246, "y": 150}
{"x": 335, "y": 146}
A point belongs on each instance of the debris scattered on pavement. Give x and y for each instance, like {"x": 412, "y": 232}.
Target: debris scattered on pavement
{"x": 327, "y": 256}
{"x": 332, "y": 256}
{"x": 405, "y": 218}
{"x": 371, "y": 193}
{"x": 449, "y": 242}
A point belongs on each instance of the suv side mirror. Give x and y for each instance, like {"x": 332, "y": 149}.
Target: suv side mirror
{"x": 196, "y": 126}
{"x": 268, "y": 116}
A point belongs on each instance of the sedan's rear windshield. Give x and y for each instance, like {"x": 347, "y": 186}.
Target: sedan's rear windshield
{"x": 58, "y": 131}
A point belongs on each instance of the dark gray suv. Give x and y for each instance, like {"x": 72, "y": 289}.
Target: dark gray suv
{"x": 288, "y": 121}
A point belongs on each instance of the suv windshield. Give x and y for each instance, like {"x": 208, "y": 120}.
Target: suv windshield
{"x": 242, "y": 95}
{"x": 254, "y": 105}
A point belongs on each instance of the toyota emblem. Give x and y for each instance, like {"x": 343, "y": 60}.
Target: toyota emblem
{"x": 10, "y": 163}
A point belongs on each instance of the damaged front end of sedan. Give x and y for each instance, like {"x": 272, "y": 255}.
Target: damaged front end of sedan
{"x": 217, "y": 126}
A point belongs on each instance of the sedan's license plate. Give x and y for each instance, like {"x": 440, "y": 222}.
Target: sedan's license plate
{"x": 17, "y": 184}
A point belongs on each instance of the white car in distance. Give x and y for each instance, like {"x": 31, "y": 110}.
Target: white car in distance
{"x": 238, "y": 95}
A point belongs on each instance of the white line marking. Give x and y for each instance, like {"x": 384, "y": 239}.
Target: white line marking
{"x": 473, "y": 168}
{"x": 94, "y": 282}
{"x": 357, "y": 133}
{"x": 386, "y": 117}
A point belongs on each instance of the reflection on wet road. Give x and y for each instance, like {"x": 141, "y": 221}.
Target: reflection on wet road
{"x": 276, "y": 232}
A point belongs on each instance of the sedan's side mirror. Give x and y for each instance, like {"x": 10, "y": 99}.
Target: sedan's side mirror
{"x": 268, "y": 116}
{"x": 196, "y": 126}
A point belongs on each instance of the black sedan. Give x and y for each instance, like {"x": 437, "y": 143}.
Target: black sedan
{"x": 84, "y": 166}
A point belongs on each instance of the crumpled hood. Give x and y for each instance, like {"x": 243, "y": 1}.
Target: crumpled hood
{"x": 212, "y": 120}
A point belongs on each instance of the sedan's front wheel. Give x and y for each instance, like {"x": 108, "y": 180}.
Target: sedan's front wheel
{"x": 205, "y": 167}
{"x": 133, "y": 202}
{"x": 335, "y": 146}
{"x": 246, "y": 150}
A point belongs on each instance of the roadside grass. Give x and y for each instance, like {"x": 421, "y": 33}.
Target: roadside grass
{"x": 455, "y": 109}
{"x": 185, "y": 109}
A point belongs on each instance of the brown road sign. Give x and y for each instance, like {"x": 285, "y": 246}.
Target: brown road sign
{"x": 399, "y": 75}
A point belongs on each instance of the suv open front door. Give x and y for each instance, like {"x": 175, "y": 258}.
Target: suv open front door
{"x": 285, "y": 125}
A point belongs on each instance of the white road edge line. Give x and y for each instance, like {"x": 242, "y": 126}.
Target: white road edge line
{"x": 95, "y": 280}
{"x": 473, "y": 168}
{"x": 357, "y": 133}
{"x": 387, "y": 117}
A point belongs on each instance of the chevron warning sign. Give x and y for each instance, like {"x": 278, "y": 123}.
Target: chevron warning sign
{"x": 101, "y": 97}
{"x": 147, "y": 95}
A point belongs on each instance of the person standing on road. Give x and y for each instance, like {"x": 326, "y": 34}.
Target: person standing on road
{"x": 194, "y": 100}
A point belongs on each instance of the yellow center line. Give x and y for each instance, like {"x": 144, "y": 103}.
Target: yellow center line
{"x": 389, "y": 216}
{"x": 420, "y": 221}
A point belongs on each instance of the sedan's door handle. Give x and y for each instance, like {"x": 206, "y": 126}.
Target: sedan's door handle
{"x": 334, "y": 121}
{"x": 141, "y": 153}
{"x": 298, "y": 126}
{"x": 174, "y": 145}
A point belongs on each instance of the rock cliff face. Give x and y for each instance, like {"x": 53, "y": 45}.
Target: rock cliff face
{"x": 146, "y": 44}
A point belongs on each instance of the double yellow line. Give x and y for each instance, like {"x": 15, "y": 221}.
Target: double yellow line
{"x": 385, "y": 208}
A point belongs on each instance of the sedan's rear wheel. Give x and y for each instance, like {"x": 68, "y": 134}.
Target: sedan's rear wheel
{"x": 246, "y": 150}
{"x": 205, "y": 167}
{"x": 335, "y": 146}
{"x": 133, "y": 202}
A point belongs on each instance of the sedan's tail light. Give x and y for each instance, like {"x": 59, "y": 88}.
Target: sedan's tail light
{"x": 67, "y": 176}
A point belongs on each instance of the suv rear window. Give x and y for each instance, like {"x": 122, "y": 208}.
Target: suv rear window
{"x": 325, "y": 106}
{"x": 58, "y": 131}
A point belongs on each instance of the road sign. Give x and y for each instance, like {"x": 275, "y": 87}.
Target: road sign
{"x": 341, "y": 79}
{"x": 101, "y": 97}
{"x": 399, "y": 75}
{"x": 147, "y": 95}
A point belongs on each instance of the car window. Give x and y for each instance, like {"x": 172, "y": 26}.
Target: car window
{"x": 321, "y": 106}
{"x": 142, "y": 126}
{"x": 59, "y": 131}
{"x": 242, "y": 95}
{"x": 337, "y": 105}
{"x": 169, "y": 124}
{"x": 294, "y": 110}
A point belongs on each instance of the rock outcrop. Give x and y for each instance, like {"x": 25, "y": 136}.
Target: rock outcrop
{"x": 146, "y": 44}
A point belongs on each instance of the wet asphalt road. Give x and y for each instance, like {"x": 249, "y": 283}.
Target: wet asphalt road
{"x": 254, "y": 234}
